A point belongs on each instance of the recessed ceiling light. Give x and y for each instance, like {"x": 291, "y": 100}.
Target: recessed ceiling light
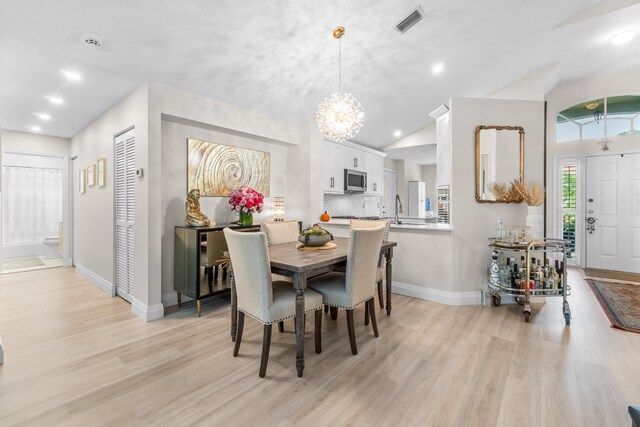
{"x": 438, "y": 68}
{"x": 42, "y": 116}
{"x": 397, "y": 133}
{"x": 71, "y": 76}
{"x": 34, "y": 128}
{"x": 54, "y": 99}
{"x": 622, "y": 38}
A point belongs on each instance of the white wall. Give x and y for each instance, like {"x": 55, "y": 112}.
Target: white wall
{"x": 473, "y": 223}
{"x": 428, "y": 175}
{"x": 95, "y": 219}
{"x": 212, "y": 118}
{"x": 174, "y": 186}
{"x": 572, "y": 93}
{"x": 22, "y": 142}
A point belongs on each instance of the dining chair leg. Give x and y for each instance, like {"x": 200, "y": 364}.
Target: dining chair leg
{"x": 236, "y": 348}
{"x": 352, "y": 332}
{"x": 266, "y": 344}
{"x": 372, "y": 311}
{"x": 366, "y": 313}
{"x": 281, "y": 327}
{"x": 326, "y": 308}
{"x": 380, "y": 296}
{"x": 334, "y": 313}
{"x": 318, "y": 331}
{"x": 215, "y": 273}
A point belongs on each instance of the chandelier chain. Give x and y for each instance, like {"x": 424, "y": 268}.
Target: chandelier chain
{"x": 340, "y": 64}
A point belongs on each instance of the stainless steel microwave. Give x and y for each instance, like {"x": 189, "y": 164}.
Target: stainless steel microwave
{"x": 355, "y": 181}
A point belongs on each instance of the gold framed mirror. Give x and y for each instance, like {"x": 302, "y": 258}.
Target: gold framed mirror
{"x": 499, "y": 159}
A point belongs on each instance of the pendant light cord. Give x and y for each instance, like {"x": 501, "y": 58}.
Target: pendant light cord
{"x": 340, "y": 64}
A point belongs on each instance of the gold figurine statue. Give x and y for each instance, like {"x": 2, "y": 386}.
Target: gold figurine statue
{"x": 195, "y": 218}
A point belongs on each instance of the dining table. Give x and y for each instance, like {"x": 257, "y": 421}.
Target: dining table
{"x": 287, "y": 260}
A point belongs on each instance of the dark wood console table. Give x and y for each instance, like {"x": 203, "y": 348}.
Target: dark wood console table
{"x": 188, "y": 271}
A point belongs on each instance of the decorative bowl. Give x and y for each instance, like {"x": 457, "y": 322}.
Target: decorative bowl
{"x": 315, "y": 240}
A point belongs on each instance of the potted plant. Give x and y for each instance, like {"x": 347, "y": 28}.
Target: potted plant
{"x": 245, "y": 200}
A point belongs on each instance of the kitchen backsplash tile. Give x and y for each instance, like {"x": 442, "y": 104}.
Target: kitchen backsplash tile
{"x": 352, "y": 204}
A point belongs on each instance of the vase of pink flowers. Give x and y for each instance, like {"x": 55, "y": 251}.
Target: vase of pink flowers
{"x": 245, "y": 200}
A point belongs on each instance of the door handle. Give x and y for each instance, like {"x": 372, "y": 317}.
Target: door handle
{"x": 590, "y": 224}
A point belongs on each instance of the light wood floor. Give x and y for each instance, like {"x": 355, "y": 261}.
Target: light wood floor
{"x": 74, "y": 356}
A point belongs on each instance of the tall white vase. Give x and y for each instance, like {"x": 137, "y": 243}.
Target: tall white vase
{"x": 535, "y": 222}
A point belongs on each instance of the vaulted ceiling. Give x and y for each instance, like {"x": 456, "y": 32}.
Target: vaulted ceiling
{"x": 279, "y": 58}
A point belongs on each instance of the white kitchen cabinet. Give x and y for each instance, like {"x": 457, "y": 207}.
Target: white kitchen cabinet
{"x": 354, "y": 159}
{"x": 374, "y": 167}
{"x": 333, "y": 181}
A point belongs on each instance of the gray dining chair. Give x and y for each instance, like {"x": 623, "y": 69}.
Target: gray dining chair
{"x": 357, "y": 285}
{"x": 258, "y": 297}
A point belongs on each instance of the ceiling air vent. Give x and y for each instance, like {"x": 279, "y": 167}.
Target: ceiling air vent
{"x": 92, "y": 40}
{"x": 411, "y": 20}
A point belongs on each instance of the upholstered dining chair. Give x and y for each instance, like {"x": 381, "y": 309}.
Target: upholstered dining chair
{"x": 371, "y": 223}
{"x": 281, "y": 231}
{"x": 357, "y": 285}
{"x": 258, "y": 297}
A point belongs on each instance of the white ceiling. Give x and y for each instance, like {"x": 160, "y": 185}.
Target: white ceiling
{"x": 420, "y": 154}
{"x": 279, "y": 58}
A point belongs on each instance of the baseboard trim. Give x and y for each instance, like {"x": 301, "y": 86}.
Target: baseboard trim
{"x": 146, "y": 312}
{"x": 610, "y": 274}
{"x": 436, "y": 295}
{"x": 171, "y": 298}
{"x": 100, "y": 282}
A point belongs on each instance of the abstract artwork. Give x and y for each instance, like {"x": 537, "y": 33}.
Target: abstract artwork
{"x": 217, "y": 169}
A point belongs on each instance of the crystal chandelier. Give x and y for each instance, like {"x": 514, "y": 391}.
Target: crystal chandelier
{"x": 339, "y": 116}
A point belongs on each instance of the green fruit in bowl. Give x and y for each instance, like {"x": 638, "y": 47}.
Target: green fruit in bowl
{"x": 315, "y": 236}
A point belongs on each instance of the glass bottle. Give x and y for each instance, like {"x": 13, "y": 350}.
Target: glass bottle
{"x": 500, "y": 232}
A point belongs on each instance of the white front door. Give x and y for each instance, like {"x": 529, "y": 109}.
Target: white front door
{"x": 613, "y": 212}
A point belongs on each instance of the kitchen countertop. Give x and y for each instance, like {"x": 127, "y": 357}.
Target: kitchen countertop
{"x": 425, "y": 226}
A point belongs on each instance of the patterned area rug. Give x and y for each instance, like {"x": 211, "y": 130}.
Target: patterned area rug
{"x": 13, "y": 263}
{"x": 620, "y": 302}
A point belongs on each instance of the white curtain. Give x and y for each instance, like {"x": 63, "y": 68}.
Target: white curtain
{"x": 32, "y": 203}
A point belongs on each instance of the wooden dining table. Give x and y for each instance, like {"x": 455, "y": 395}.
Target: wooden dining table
{"x": 287, "y": 260}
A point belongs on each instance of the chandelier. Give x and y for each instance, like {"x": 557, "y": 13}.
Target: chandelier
{"x": 339, "y": 116}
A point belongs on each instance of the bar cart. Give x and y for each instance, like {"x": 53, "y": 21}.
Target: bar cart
{"x": 529, "y": 287}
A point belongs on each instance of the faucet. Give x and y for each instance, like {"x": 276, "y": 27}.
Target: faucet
{"x": 398, "y": 202}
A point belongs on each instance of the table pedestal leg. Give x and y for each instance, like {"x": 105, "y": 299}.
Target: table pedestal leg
{"x": 299, "y": 284}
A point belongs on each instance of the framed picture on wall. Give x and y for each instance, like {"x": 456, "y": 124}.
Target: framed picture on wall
{"x": 82, "y": 181}
{"x": 102, "y": 166}
{"x": 91, "y": 175}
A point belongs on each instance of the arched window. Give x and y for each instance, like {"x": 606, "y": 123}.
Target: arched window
{"x": 610, "y": 116}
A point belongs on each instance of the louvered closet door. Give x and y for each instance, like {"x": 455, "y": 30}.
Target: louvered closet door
{"x": 125, "y": 211}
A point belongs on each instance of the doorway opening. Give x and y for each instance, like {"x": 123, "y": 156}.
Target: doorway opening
{"x": 32, "y": 214}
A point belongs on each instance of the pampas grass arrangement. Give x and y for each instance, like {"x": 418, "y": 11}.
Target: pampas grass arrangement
{"x": 532, "y": 194}
{"x": 505, "y": 193}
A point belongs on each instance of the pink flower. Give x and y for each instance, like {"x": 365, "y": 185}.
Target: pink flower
{"x": 246, "y": 199}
